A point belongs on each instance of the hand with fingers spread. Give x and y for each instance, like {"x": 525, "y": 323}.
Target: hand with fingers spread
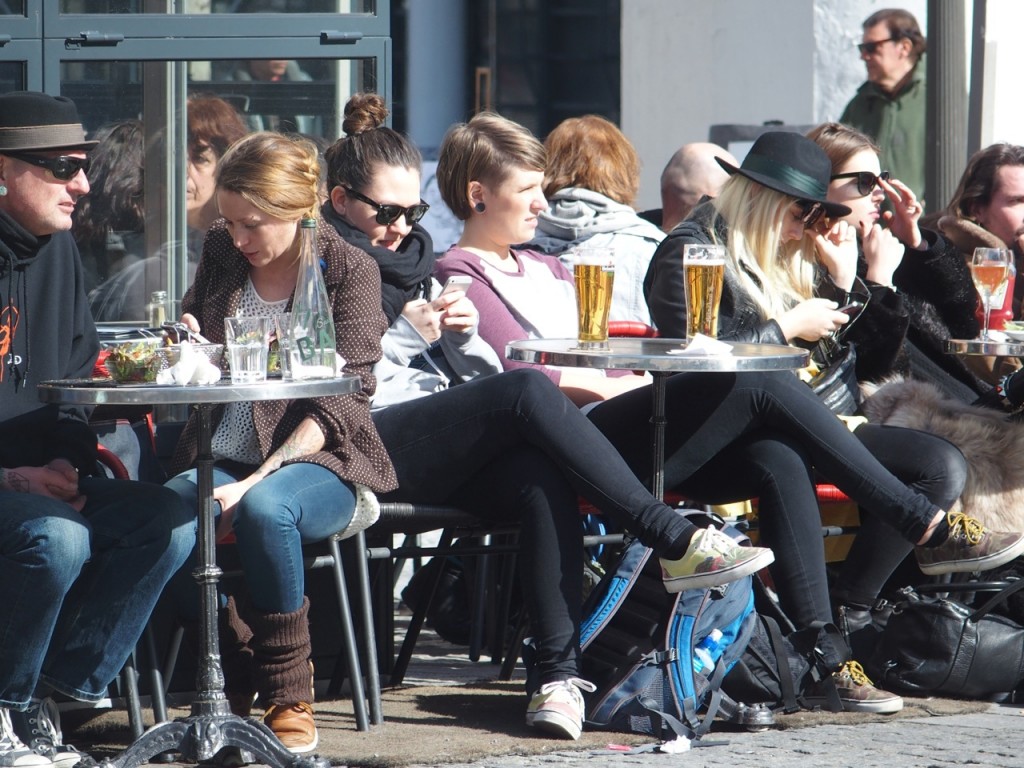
{"x": 906, "y": 211}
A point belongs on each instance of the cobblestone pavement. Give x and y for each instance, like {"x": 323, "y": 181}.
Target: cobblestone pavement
{"x": 991, "y": 739}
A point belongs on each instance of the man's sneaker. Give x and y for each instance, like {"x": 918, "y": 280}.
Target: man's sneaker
{"x": 557, "y": 708}
{"x": 39, "y": 728}
{"x": 293, "y": 725}
{"x": 13, "y": 752}
{"x": 970, "y": 547}
{"x": 712, "y": 559}
{"x": 856, "y": 692}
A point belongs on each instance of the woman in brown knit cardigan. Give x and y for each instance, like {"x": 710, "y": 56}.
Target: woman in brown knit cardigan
{"x": 287, "y": 472}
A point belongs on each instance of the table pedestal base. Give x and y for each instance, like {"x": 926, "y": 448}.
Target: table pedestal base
{"x": 198, "y": 738}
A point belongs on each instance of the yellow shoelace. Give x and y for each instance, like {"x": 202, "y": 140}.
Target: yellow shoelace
{"x": 856, "y": 673}
{"x": 971, "y": 527}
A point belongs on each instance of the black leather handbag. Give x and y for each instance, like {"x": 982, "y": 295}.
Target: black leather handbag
{"x": 836, "y": 382}
{"x": 933, "y": 645}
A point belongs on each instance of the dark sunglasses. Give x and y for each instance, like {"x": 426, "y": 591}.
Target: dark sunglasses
{"x": 812, "y": 214}
{"x": 63, "y": 168}
{"x": 388, "y": 214}
{"x": 870, "y": 48}
{"x": 866, "y": 180}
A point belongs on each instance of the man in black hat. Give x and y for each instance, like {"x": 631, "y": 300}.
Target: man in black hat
{"x": 83, "y": 559}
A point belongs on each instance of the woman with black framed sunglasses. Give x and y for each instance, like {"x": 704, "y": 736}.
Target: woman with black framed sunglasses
{"x": 790, "y": 271}
{"x": 920, "y": 286}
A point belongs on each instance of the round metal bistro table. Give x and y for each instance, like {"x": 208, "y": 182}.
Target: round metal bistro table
{"x": 211, "y": 726}
{"x": 983, "y": 347}
{"x": 661, "y": 358}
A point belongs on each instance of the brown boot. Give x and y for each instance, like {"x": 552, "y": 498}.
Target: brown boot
{"x": 293, "y": 725}
{"x": 281, "y": 651}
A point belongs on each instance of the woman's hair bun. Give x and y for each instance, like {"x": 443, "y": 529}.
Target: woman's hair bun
{"x": 364, "y": 112}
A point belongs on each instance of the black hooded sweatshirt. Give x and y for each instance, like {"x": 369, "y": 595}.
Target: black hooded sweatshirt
{"x": 46, "y": 332}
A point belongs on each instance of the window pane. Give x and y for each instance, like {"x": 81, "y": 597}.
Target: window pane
{"x": 12, "y": 8}
{"x": 12, "y": 76}
{"x": 140, "y": 229}
{"x": 213, "y": 6}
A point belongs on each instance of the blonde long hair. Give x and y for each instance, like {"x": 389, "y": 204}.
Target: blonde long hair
{"x": 774, "y": 275}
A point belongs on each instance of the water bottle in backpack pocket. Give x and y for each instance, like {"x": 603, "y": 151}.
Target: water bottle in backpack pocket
{"x": 639, "y": 647}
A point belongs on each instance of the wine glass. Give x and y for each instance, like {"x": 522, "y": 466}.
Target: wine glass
{"x": 990, "y": 268}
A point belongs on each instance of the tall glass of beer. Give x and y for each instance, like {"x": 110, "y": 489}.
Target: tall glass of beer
{"x": 594, "y": 273}
{"x": 703, "y": 275}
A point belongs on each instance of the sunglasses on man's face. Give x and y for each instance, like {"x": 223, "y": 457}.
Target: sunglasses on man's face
{"x": 388, "y": 214}
{"x": 870, "y": 48}
{"x": 63, "y": 168}
{"x": 866, "y": 180}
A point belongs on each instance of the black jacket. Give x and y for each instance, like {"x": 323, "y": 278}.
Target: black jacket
{"x": 900, "y": 331}
{"x": 46, "y": 332}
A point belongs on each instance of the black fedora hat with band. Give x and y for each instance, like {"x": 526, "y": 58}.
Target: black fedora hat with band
{"x": 33, "y": 121}
{"x": 792, "y": 164}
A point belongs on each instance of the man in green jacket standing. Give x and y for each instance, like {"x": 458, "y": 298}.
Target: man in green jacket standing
{"x": 890, "y": 106}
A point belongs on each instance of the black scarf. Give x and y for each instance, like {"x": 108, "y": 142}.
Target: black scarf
{"x": 404, "y": 274}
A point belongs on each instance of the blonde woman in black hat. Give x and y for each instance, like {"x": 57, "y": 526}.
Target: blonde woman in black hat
{"x": 116, "y": 542}
{"x": 789, "y": 271}
{"x": 730, "y": 436}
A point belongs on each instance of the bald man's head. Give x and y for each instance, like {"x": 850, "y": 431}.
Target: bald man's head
{"x": 690, "y": 174}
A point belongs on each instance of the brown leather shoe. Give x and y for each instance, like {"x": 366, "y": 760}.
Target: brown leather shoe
{"x": 293, "y": 725}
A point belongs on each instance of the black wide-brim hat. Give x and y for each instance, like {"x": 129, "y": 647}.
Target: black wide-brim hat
{"x": 31, "y": 121}
{"x": 792, "y": 164}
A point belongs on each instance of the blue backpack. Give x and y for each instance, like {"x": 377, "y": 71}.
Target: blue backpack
{"x": 638, "y": 646}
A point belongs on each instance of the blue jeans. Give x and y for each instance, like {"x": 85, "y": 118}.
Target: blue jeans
{"x": 76, "y": 588}
{"x": 295, "y": 505}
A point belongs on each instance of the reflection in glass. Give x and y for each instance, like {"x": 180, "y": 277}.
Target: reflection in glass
{"x": 127, "y": 257}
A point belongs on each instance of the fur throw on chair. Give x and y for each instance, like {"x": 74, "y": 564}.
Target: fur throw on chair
{"x": 992, "y": 444}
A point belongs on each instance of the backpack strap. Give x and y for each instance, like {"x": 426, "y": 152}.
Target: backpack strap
{"x": 789, "y": 695}
{"x": 830, "y": 652}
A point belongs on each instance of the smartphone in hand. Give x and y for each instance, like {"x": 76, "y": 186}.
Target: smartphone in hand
{"x": 456, "y": 283}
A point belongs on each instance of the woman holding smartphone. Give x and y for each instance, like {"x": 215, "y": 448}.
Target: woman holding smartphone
{"x": 790, "y": 268}
{"x": 504, "y": 446}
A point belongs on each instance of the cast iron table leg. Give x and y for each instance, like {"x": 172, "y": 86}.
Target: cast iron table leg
{"x": 658, "y": 434}
{"x": 211, "y": 727}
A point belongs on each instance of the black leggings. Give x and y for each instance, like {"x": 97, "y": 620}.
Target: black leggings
{"x": 787, "y": 434}
{"x": 512, "y": 446}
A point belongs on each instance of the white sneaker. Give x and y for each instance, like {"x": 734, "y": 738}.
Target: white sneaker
{"x": 13, "y": 752}
{"x": 558, "y": 707}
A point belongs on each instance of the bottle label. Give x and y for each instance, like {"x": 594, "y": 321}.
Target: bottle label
{"x": 306, "y": 348}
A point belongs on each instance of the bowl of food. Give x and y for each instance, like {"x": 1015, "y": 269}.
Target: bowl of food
{"x": 134, "y": 361}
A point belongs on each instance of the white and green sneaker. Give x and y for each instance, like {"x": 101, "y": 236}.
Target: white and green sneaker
{"x": 712, "y": 559}
{"x": 558, "y": 707}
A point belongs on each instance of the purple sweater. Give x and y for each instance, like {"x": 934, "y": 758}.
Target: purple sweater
{"x": 538, "y": 301}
